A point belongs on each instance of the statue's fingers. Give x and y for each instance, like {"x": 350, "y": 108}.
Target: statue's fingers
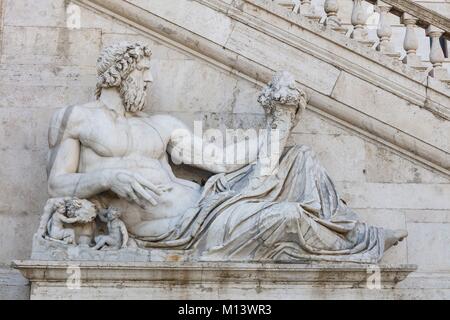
{"x": 144, "y": 194}
{"x": 132, "y": 196}
{"x": 164, "y": 187}
{"x": 145, "y": 182}
{"x": 119, "y": 192}
{"x": 139, "y": 202}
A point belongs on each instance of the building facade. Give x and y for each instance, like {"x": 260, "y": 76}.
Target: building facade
{"x": 379, "y": 125}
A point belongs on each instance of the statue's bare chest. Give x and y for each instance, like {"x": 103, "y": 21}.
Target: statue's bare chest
{"x": 124, "y": 137}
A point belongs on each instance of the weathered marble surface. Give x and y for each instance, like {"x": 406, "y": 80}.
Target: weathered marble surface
{"x": 253, "y": 38}
{"x": 44, "y": 250}
{"x": 13, "y": 285}
{"x": 31, "y": 90}
{"x": 262, "y": 204}
{"x": 83, "y": 280}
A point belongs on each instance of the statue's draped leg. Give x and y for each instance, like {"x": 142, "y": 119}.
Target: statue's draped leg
{"x": 293, "y": 215}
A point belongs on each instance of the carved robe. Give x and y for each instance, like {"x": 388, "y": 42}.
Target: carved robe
{"x": 294, "y": 215}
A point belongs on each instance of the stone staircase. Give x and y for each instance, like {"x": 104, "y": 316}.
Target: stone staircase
{"x": 412, "y": 15}
{"x": 367, "y": 89}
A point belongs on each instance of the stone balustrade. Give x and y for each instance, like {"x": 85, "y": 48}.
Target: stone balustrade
{"x": 412, "y": 17}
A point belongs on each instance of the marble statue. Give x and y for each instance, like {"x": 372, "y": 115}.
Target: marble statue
{"x": 117, "y": 237}
{"x": 110, "y": 152}
{"x": 61, "y": 217}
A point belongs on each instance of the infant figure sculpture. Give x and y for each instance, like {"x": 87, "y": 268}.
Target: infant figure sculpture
{"x": 253, "y": 209}
{"x": 117, "y": 237}
{"x": 60, "y": 217}
{"x": 55, "y": 226}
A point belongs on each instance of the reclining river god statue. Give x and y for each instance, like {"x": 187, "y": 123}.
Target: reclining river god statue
{"x": 265, "y": 204}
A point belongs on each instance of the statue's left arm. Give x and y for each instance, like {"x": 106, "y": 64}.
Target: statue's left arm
{"x": 185, "y": 147}
{"x": 68, "y": 220}
{"x": 283, "y": 103}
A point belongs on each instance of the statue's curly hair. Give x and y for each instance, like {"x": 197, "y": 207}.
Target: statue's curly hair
{"x": 282, "y": 89}
{"x": 116, "y": 62}
{"x": 72, "y": 206}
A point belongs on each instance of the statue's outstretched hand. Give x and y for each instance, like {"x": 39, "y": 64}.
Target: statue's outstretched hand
{"x": 133, "y": 186}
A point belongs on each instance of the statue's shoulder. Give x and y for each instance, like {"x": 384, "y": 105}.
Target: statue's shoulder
{"x": 74, "y": 114}
{"x": 67, "y": 121}
{"x": 168, "y": 122}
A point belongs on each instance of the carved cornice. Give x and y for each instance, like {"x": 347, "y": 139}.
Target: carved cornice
{"x": 211, "y": 272}
{"x": 240, "y": 13}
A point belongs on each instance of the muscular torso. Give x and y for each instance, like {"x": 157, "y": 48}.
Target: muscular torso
{"x": 136, "y": 144}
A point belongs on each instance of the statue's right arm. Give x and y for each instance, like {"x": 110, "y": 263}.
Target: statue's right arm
{"x": 67, "y": 220}
{"x": 65, "y": 181}
{"x": 64, "y": 157}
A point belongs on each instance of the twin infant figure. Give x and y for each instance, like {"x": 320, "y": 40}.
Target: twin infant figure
{"x": 62, "y": 216}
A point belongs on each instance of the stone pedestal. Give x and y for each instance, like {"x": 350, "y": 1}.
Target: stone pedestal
{"x": 175, "y": 280}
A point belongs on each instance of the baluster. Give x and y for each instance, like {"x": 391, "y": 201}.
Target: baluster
{"x": 331, "y": 8}
{"x": 410, "y": 44}
{"x": 436, "y": 54}
{"x": 384, "y": 31}
{"x": 358, "y": 20}
{"x": 303, "y": 7}
{"x": 292, "y": 5}
{"x": 296, "y": 4}
{"x": 309, "y": 11}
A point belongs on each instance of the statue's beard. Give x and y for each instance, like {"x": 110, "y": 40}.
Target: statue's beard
{"x": 133, "y": 93}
